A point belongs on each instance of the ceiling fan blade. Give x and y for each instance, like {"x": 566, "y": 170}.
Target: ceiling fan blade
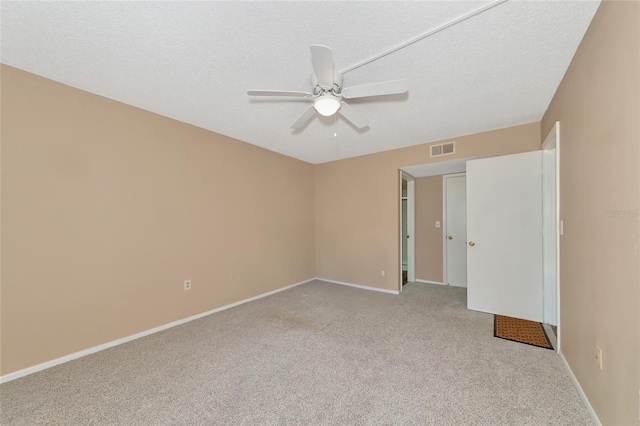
{"x": 353, "y": 116}
{"x": 310, "y": 112}
{"x": 391, "y": 87}
{"x": 322, "y": 60}
{"x": 278, "y": 93}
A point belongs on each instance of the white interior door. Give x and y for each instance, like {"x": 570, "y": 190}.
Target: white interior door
{"x": 504, "y": 230}
{"x": 455, "y": 232}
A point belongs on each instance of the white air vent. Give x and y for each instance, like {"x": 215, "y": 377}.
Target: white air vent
{"x": 443, "y": 149}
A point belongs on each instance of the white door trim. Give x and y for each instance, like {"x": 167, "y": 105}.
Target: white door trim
{"x": 444, "y": 223}
{"x": 552, "y": 142}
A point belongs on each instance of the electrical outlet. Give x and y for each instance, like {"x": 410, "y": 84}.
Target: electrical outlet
{"x": 187, "y": 285}
{"x": 437, "y": 224}
{"x": 599, "y": 357}
{"x": 233, "y": 276}
{"x": 382, "y": 273}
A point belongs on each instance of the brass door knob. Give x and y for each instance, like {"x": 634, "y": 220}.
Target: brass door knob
{"x": 471, "y": 243}
{"x": 450, "y": 237}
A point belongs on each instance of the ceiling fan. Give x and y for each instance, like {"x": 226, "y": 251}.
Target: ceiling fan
{"x": 327, "y": 93}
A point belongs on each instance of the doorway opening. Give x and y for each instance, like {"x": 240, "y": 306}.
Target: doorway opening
{"x": 427, "y": 239}
{"x": 407, "y": 226}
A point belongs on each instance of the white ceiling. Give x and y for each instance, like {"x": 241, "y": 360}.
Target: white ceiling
{"x": 194, "y": 61}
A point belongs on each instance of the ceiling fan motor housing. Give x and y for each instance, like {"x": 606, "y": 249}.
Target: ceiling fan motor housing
{"x": 318, "y": 89}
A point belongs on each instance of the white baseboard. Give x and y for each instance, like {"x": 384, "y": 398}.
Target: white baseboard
{"x": 594, "y": 416}
{"x": 364, "y": 287}
{"x": 428, "y": 282}
{"x": 89, "y": 351}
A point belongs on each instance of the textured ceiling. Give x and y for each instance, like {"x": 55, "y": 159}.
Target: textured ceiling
{"x": 194, "y": 61}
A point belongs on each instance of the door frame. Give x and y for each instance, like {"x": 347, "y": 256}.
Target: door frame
{"x": 411, "y": 247}
{"x": 552, "y": 143}
{"x": 444, "y": 223}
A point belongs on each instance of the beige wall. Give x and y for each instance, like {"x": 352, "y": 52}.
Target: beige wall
{"x": 357, "y": 212}
{"x": 597, "y": 105}
{"x": 106, "y": 209}
{"x": 428, "y": 209}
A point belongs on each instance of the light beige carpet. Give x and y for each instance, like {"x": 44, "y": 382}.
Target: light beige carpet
{"x": 319, "y": 353}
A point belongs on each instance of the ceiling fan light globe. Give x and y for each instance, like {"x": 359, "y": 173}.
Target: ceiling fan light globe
{"x": 327, "y": 105}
